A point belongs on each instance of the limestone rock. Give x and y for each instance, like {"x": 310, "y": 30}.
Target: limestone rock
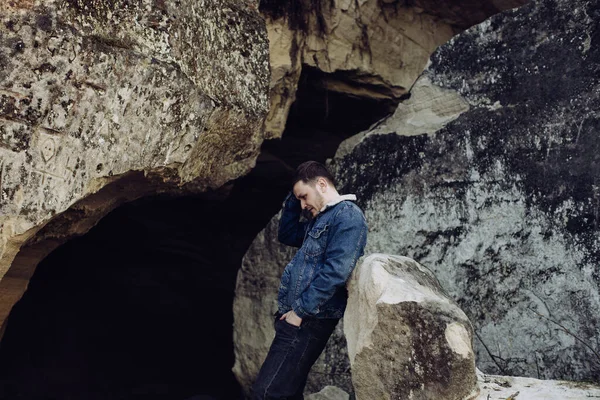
{"x": 499, "y": 198}
{"x": 146, "y": 96}
{"x": 255, "y": 302}
{"x": 285, "y": 60}
{"x": 254, "y": 306}
{"x": 329, "y": 393}
{"x": 369, "y": 48}
{"x": 429, "y": 109}
{"x": 406, "y": 338}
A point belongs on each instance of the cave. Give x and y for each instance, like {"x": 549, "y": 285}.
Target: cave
{"x": 321, "y": 117}
{"x": 137, "y": 308}
{"x": 140, "y": 307}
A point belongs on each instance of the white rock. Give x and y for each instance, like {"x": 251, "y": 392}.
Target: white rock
{"x": 329, "y": 393}
{"x": 406, "y": 338}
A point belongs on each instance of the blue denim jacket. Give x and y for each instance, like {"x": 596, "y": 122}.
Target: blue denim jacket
{"x": 313, "y": 284}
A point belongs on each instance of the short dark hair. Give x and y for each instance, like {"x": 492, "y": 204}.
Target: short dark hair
{"x": 310, "y": 171}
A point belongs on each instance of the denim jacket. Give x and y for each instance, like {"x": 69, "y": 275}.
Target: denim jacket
{"x": 313, "y": 284}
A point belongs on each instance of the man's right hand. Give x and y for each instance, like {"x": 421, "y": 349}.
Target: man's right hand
{"x": 291, "y": 318}
{"x": 291, "y": 202}
{"x": 291, "y": 228}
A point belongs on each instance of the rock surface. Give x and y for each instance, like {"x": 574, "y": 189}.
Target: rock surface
{"x": 147, "y": 96}
{"x": 495, "y": 387}
{"x": 371, "y": 49}
{"x": 329, "y": 393}
{"x": 499, "y": 194}
{"x": 406, "y": 338}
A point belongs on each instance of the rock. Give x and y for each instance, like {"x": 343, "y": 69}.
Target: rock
{"x": 406, "y": 337}
{"x": 499, "y": 194}
{"x": 428, "y": 109}
{"x": 285, "y": 61}
{"x": 254, "y": 306}
{"x": 329, "y": 393}
{"x": 370, "y": 49}
{"x": 255, "y": 302}
{"x": 494, "y": 387}
{"x": 108, "y": 101}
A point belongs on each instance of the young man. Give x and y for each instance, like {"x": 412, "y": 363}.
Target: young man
{"x": 312, "y": 294}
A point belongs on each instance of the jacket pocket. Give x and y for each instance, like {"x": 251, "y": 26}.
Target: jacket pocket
{"x": 316, "y": 240}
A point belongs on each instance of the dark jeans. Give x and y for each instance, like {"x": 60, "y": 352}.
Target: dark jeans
{"x": 293, "y": 352}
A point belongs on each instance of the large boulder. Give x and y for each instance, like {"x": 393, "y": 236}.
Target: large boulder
{"x": 488, "y": 175}
{"x": 406, "y": 337}
{"x": 103, "y": 102}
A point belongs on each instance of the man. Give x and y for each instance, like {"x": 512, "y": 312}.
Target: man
{"x": 312, "y": 294}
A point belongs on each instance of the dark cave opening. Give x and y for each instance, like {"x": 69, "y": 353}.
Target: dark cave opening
{"x": 321, "y": 118}
{"x": 141, "y": 306}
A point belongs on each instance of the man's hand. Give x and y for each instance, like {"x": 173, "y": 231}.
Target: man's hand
{"x": 292, "y": 318}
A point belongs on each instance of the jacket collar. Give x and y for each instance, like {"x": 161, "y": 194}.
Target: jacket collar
{"x": 341, "y": 198}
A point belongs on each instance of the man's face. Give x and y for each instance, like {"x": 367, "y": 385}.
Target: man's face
{"x": 311, "y": 200}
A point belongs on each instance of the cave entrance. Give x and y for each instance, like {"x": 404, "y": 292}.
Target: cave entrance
{"x": 138, "y": 308}
{"x": 329, "y": 108}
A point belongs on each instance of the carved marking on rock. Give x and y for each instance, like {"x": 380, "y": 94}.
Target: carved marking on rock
{"x": 51, "y": 131}
{"x": 48, "y": 149}
{"x": 53, "y": 158}
{"x": 46, "y": 162}
{"x": 49, "y": 139}
{"x": 46, "y": 174}
{"x": 70, "y": 167}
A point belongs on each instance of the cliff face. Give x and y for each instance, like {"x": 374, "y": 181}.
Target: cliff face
{"x": 152, "y": 96}
{"x": 370, "y": 49}
{"x": 488, "y": 175}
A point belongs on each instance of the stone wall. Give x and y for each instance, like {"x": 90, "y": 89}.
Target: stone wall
{"x": 147, "y": 96}
{"x": 370, "y": 49}
{"x": 488, "y": 175}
